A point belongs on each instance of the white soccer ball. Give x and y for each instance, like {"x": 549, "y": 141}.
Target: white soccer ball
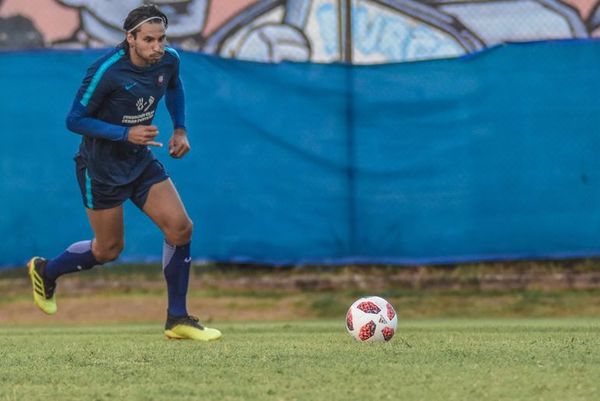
{"x": 371, "y": 319}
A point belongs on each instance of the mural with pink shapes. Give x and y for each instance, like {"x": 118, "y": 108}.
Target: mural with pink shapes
{"x": 357, "y": 31}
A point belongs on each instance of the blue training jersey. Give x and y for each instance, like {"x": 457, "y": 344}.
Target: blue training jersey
{"x": 114, "y": 96}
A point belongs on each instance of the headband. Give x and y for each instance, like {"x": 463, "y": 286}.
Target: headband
{"x": 144, "y": 21}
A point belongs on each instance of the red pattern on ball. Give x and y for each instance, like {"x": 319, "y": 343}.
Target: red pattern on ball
{"x": 368, "y": 307}
{"x": 388, "y": 333}
{"x": 390, "y": 311}
{"x": 349, "y": 320}
{"x": 367, "y": 331}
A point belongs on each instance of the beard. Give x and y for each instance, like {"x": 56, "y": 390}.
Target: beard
{"x": 148, "y": 60}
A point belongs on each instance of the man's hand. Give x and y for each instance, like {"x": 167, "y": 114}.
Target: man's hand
{"x": 179, "y": 144}
{"x": 143, "y": 135}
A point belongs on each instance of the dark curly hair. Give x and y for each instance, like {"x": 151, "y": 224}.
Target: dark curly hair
{"x": 140, "y": 14}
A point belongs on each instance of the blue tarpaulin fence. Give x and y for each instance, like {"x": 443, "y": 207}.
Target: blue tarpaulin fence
{"x": 493, "y": 156}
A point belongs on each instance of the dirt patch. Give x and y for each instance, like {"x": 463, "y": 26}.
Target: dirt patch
{"x": 138, "y": 294}
{"x": 145, "y": 309}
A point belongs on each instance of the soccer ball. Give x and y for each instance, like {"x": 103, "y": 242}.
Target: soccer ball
{"x": 371, "y": 319}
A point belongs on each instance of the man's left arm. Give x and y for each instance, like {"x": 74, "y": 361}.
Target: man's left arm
{"x": 175, "y": 101}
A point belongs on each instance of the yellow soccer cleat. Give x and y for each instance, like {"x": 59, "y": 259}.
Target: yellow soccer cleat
{"x": 43, "y": 290}
{"x": 189, "y": 328}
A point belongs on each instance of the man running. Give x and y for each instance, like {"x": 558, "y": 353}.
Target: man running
{"x": 113, "y": 111}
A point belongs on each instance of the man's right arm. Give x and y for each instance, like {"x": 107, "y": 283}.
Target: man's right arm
{"x": 79, "y": 121}
{"x": 96, "y": 86}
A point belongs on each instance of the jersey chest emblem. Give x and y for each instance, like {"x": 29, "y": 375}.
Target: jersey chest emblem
{"x": 160, "y": 80}
{"x": 143, "y": 105}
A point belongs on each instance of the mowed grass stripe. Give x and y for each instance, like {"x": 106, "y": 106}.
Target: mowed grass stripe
{"x": 523, "y": 359}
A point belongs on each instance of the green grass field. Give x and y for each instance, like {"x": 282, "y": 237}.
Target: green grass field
{"x": 501, "y": 359}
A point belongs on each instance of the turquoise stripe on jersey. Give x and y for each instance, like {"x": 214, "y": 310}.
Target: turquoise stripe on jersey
{"x": 85, "y": 99}
{"x": 172, "y": 51}
{"x": 88, "y": 191}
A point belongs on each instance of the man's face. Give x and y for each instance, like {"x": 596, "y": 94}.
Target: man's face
{"x": 148, "y": 45}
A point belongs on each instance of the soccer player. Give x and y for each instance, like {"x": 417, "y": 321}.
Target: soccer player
{"x": 113, "y": 111}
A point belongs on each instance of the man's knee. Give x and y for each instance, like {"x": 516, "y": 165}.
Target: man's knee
{"x": 107, "y": 252}
{"x": 181, "y": 233}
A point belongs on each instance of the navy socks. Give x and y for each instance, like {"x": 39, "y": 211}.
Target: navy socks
{"x": 77, "y": 257}
{"x": 176, "y": 268}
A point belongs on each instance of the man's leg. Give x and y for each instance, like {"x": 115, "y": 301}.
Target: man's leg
{"x": 107, "y": 225}
{"x": 165, "y": 208}
{"x": 109, "y": 233}
{"x": 163, "y": 205}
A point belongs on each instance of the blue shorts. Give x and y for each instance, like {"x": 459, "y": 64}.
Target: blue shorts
{"x": 96, "y": 195}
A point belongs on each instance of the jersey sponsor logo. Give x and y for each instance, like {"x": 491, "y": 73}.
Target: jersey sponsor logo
{"x": 130, "y": 85}
{"x": 141, "y": 104}
{"x": 139, "y": 118}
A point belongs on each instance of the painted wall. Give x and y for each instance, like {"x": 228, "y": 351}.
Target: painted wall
{"x": 307, "y": 30}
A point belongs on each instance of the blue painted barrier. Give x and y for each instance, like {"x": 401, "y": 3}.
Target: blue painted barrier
{"x": 492, "y": 156}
